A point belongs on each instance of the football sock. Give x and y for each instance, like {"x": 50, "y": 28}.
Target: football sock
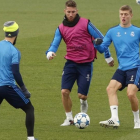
{"x": 136, "y": 115}
{"x": 84, "y": 106}
{"x": 30, "y": 138}
{"x": 114, "y": 112}
{"x": 83, "y": 102}
{"x": 69, "y": 115}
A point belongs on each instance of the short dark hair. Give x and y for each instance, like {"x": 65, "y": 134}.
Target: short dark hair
{"x": 126, "y": 7}
{"x": 70, "y": 3}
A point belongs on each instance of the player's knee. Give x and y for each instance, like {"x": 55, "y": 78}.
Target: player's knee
{"x": 31, "y": 108}
{"x": 83, "y": 97}
{"x": 107, "y": 89}
{"x": 110, "y": 90}
{"x": 130, "y": 95}
{"x": 65, "y": 92}
{"x": 28, "y": 108}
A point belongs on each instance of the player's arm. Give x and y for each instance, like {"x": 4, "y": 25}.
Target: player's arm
{"x": 94, "y": 31}
{"x": 19, "y": 81}
{"x": 103, "y": 47}
{"x": 50, "y": 53}
{"x": 98, "y": 37}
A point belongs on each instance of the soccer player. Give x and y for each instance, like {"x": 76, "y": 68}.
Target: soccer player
{"x": 126, "y": 39}
{"x": 16, "y": 96}
{"x": 77, "y": 33}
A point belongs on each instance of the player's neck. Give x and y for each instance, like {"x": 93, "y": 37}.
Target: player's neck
{"x": 9, "y": 39}
{"x": 125, "y": 25}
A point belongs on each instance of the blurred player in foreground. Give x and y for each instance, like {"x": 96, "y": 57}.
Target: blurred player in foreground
{"x": 78, "y": 34}
{"x": 126, "y": 39}
{"x": 9, "y": 73}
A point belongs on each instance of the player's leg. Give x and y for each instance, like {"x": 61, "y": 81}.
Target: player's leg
{"x": 29, "y": 121}
{"x": 68, "y": 79}
{"x": 131, "y": 93}
{"x": 117, "y": 83}
{"x": 67, "y": 104}
{"x": 1, "y": 94}
{"x": 66, "y": 100}
{"x": 113, "y": 102}
{"x": 1, "y": 99}
{"x": 133, "y": 80}
{"x": 16, "y": 98}
{"x": 83, "y": 81}
{"x": 83, "y": 102}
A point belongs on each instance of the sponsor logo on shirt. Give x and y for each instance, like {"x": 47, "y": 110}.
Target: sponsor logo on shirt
{"x": 77, "y": 48}
{"x": 118, "y": 34}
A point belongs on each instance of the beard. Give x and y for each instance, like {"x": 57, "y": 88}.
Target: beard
{"x": 15, "y": 41}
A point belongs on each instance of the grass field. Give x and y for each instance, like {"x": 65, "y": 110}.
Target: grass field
{"x": 38, "y": 20}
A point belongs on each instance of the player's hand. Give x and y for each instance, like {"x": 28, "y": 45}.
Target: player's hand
{"x": 97, "y": 41}
{"x": 50, "y": 55}
{"x": 110, "y": 61}
{"x": 111, "y": 64}
{"x": 25, "y": 91}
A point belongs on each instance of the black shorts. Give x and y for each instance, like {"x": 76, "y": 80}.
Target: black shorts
{"x": 131, "y": 76}
{"x": 13, "y": 95}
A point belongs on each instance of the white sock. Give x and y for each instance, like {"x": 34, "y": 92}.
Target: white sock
{"x": 84, "y": 106}
{"x": 69, "y": 115}
{"x": 114, "y": 112}
{"x": 83, "y": 101}
{"x": 30, "y": 138}
{"x": 136, "y": 116}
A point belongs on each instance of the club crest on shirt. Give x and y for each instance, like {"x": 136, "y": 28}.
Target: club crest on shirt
{"x": 132, "y": 34}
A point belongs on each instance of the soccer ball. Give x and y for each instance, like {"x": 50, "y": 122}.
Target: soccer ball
{"x": 138, "y": 2}
{"x": 81, "y": 120}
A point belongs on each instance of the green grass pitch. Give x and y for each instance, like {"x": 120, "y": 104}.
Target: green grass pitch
{"x": 38, "y": 20}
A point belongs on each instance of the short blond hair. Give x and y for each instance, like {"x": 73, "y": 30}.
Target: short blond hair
{"x": 126, "y": 7}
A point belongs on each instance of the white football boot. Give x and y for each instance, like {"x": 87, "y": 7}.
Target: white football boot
{"x": 110, "y": 123}
{"x": 137, "y": 125}
{"x": 67, "y": 122}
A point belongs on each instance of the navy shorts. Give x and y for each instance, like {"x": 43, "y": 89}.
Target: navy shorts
{"x": 13, "y": 95}
{"x": 131, "y": 76}
{"x": 80, "y": 72}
